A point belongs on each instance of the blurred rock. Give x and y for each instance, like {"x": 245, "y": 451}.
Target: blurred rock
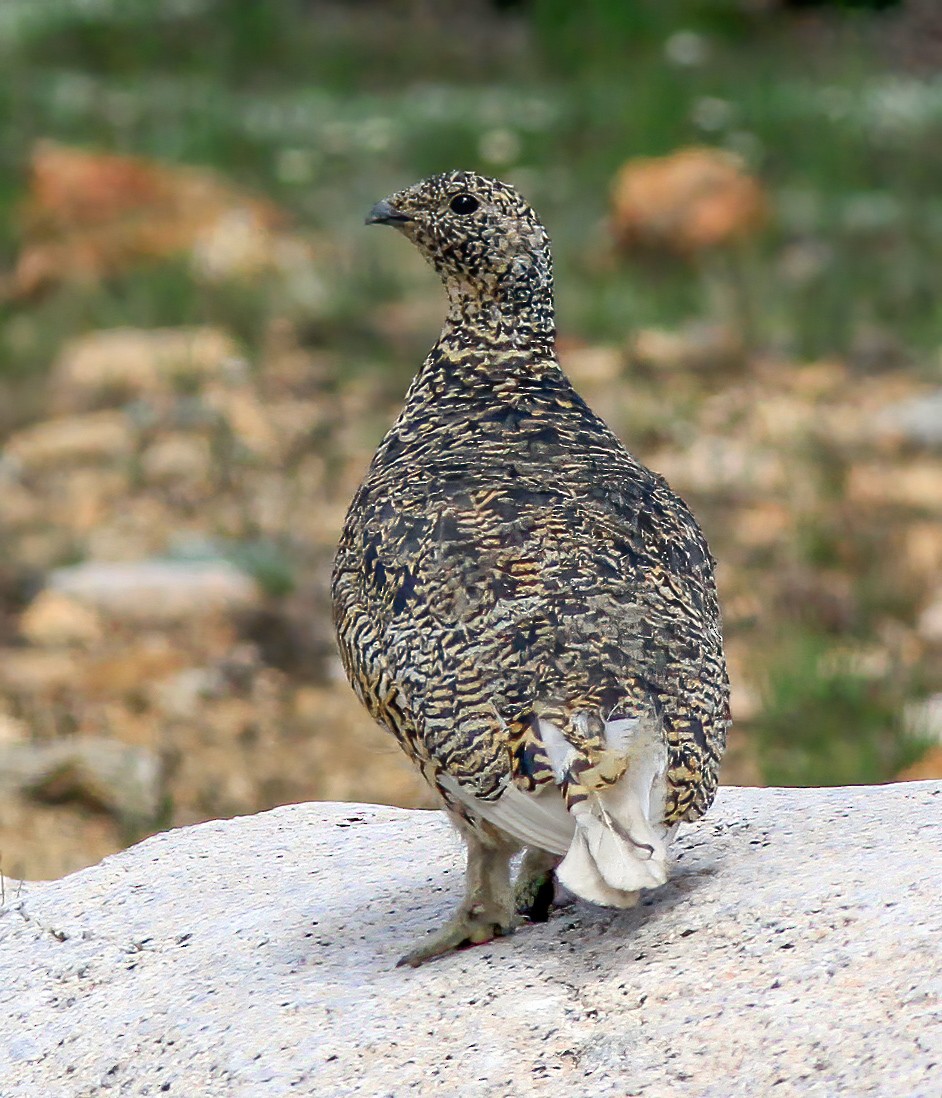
{"x": 45, "y": 841}
{"x": 178, "y": 458}
{"x": 814, "y": 381}
{"x": 297, "y": 422}
{"x": 54, "y": 618}
{"x": 128, "y": 669}
{"x": 923, "y": 719}
{"x": 247, "y": 418}
{"x": 157, "y": 591}
{"x": 12, "y": 730}
{"x": 916, "y": 484}
{"x": 917, "y": 421}
{"x": 922, "y": 549}
{"x": 180, "y": 695}
{"x": 239, "y": 244}
{"x": 19, "y": 507}
{"x": 694, "y": 347}
{"x": 99, "y": 773}
{"x": 35, "y": 671}
{"x": 139, "y": 526}
{"x": 687, "y": 202}
{"x": 91, "y": 215}
{"x": 119, "y": 364}
{"x": 592, "y": 366}
{"x": 84, "y": 498}
{"x": 853, "y": 421}
{"x": 766, "y": 524}
{"x": 745, "y": 704}
{"x": 96, "y": 437}
{"x": 782, "y": 420}
{"x": 714, "y": 465}
{"x": 930, "y": 621}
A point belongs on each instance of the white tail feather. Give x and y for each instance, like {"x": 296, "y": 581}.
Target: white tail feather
{"x": 619, "y": 846}
{"x": 578, "y": 871}
{"x": 614, "y": 843}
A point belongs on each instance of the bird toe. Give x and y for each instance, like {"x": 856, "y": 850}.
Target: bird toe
{"x": 467, "y": 928}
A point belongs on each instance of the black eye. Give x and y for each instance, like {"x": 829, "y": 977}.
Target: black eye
{"x": 464, "y": 204}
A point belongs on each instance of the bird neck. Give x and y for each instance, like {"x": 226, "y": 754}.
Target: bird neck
{"x": 510, "y": 310}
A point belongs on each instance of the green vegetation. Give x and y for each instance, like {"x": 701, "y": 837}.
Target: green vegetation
{"x": 321, "y": 105}
{"x": 826, "y": 718}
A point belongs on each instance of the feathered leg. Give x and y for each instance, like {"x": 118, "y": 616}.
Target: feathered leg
{"x": 487, "y": 910}
{"x": 535, "y": 885}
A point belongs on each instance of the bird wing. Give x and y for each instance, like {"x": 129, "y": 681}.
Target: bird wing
{"x": 537, "y": 819}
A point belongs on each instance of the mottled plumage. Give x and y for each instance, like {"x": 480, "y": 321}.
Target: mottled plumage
{"x": 528, "y": 609}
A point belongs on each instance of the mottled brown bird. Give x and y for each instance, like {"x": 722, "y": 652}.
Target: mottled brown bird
{"x": 526, "y": 607}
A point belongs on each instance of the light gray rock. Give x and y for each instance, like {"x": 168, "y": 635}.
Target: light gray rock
{"x": 923, "y": 719}
{"x": 917, "y": 419}
{"x": 120, "y": 778}
{"x": 794, "y": 952}
{"x": 163, "y": 591}
{"x": 929, "y": 625}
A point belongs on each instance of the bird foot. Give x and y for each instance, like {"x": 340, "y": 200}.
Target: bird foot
{"x": 469, "y": 926}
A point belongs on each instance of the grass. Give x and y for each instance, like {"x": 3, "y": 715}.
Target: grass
{"x": 828, "y": 718}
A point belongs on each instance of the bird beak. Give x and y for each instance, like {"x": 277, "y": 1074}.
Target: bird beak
{"x": 384, "y": 213}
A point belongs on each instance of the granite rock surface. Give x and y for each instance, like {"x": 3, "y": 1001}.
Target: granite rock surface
{"x": 795, "y": 951}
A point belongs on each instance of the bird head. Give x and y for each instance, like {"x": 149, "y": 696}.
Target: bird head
{"x": 486, "y": 243}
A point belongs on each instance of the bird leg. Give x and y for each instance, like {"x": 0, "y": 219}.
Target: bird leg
{"x": 535, "y": 886}
{"x": 487, "y": 910}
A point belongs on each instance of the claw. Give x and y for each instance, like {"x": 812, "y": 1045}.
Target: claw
{"x": 464, "y": 930}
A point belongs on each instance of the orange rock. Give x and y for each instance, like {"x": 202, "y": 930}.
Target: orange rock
{"x": 815, "y": 380}
{"x": 763, "y": 525}
{"x": 929, "y": 766}
{"x": 922, "y": 549}
{"x": 86, "y": 497}
{"x": 599, "y": 365}
{"x": 94, "y": 438}
{"x": 53, "y": 618}
{"x": 690, "y": 201}
{"x": 247, "y": 418}
{"x": 13, "y": 730}
{"x": 142, "y": 663}
{"x": 917, "y": 484}
{"x": 36, "y": 671}
{"x": 178, "y": 459}
{"x": 45, "y": 841}
{"x": 90, "y": 215}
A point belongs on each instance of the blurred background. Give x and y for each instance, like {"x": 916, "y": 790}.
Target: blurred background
{"x": 201, "y": 345}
